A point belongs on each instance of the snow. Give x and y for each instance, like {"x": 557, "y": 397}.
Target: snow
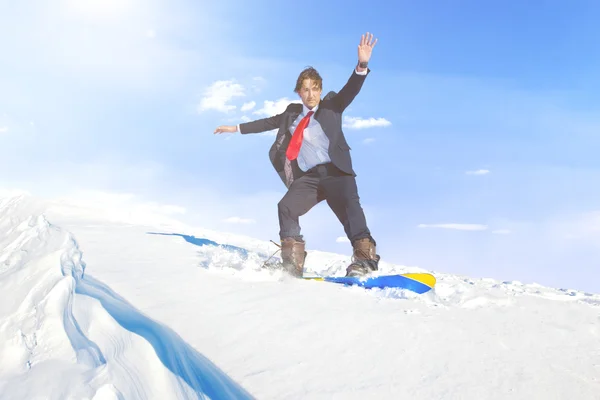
{"x": 111, "y": 300}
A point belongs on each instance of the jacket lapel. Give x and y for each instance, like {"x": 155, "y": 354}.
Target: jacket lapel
{"x": 291, "y": 117}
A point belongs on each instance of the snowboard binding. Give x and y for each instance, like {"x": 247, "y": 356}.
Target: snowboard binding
{"x": 362, "y": 267}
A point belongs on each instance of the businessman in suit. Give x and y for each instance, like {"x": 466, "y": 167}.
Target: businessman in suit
{"x": 312, "y": 157}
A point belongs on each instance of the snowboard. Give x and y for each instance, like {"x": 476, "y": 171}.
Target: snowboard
{"x": 416, "y": 282}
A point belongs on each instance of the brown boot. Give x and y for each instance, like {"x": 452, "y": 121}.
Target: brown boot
{"x": 293, "y": 256}
{"x": 364, "y": 258}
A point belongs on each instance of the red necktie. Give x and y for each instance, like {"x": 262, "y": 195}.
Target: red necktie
{"x": 294, "y": 146}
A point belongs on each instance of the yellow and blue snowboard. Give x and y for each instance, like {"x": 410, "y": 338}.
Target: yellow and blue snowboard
{"x": 416, "y": 282}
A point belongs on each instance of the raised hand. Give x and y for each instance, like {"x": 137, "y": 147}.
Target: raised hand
{"x": 226, "y": 128}
{"x": 365, "y": 48}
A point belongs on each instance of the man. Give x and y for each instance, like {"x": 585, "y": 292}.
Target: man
{"x": 312, "y": 157}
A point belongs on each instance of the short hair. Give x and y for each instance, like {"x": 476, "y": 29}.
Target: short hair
{"x": 309, "y": 73}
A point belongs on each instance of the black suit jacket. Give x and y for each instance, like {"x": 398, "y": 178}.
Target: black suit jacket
{"x": 329, "y": 115}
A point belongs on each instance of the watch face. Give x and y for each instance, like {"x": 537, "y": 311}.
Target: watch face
{"x": 363, "y": 64}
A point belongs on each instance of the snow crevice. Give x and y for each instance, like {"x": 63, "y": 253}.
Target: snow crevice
{"x": 59, "y": 321}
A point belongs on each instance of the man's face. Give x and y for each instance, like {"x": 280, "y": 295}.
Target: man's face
{"x": 309, "y": 93}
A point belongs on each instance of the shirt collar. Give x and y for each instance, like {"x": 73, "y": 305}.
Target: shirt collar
{"x": 305, "y": 109}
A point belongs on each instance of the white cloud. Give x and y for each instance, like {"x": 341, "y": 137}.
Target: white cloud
{"x": 258, "y": 83}
{"x": 3, "y": 129}
{"x": 151, "y": 33}
{"x": 238, "y": 220}
{"x": 248, "y": 106}
{"x": 219, "y": 94}
{"x": 361, "y": 123}
{"x": 461, "y": 227}
{"x": 271, "y": 108}
{"x": 501, "y": 231}
{"x": 478, "y": 172}
{"x": 368, "y": 140}
{"x": 245, "y": 118}
{"x": 342, "y": 239}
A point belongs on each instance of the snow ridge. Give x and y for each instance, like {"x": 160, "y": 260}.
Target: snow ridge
{"x": 60, "y": 322}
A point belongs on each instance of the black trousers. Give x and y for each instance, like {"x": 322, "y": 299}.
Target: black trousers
{"x": 323, "y": 182}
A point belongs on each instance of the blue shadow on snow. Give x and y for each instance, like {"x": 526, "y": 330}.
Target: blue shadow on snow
{"x": 205, "y": 242}
{"x": 183, "y": 360}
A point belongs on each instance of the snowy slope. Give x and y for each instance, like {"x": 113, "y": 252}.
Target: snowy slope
{"x": 106, "y": 301}
{"x": 69, "y": 336}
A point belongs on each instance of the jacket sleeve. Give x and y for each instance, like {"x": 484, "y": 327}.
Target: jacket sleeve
{"x": 261, "y": 125}
{"x": 347, "y": 94}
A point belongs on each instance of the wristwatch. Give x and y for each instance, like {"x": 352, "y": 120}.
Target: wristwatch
{"x": 363, "y": 64}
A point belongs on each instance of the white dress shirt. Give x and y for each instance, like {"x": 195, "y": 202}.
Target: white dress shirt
{"x": 315, "y": 143}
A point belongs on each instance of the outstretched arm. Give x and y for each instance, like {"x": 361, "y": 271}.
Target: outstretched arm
{"x": 347, "y": 94}
{"x": 260, "y": 125}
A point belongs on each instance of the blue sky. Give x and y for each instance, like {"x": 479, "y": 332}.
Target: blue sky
{"x": 481, "y": 160}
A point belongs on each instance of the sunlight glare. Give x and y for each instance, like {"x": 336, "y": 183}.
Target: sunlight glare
{"x": 101, "y": 8}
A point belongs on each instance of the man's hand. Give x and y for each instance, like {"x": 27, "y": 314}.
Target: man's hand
{"x": 226, "y": 128}
{"x": 366, "y": 47}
